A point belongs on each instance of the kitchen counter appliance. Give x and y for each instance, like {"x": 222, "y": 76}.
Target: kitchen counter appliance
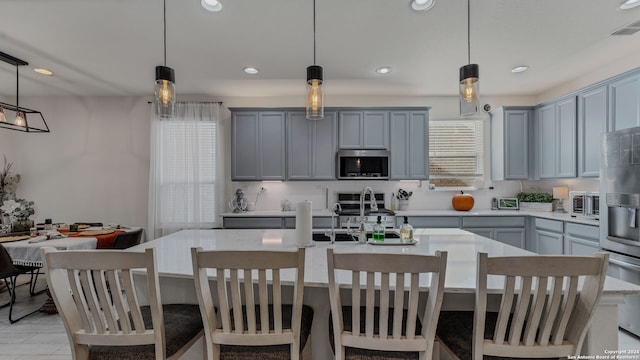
{"x": 619, "y": 220}
{"x": 585, "y": 204}
{"x": 350, "y": 213}
{"x": 362, "y": 164}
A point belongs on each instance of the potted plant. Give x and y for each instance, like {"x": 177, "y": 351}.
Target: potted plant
{"x": 535, "y": 201}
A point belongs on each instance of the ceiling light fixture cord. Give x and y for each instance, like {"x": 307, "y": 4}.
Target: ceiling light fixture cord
{"x": 164, "y": 25}
{"x": 468, "y": 31}
{"x": 314, "y": 32}
{"x": 17, "y": 88}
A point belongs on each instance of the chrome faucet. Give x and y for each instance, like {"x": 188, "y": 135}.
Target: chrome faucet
{"x": 372, "y": 201}
{"x": 361, "y": 231}
{"x": 332, "y": 234}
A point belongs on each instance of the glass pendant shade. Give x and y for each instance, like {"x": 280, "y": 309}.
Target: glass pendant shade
{"x": 3, "y": 118}
{"x": 469, "y": 90}
{"x": 315, "y": 106}
{"x": 165, "y": 91}
{"x": 21, "y": 119}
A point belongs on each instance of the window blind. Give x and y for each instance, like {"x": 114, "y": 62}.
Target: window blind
{"x": 456, "y": 152}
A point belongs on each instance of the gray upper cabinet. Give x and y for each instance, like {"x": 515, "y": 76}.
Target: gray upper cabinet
{"x": 409, "y": 145}
{"x": 510, "y": 131}
{"x": 311, "y": 147}
{"x": 545, "y": 121}
{"x": 592, "y": 122}
{"x": 555, "y": 138}
{"x": 258, "y": 145}
{"x": 566, "y": 135}
{"x": 364, "y": 129}
{"x": 624, "y": 103}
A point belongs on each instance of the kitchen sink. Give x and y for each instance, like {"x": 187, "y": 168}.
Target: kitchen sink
{"x": 341, "y": 235}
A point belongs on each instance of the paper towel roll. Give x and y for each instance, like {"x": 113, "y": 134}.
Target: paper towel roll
{"x": 303, "y": 224}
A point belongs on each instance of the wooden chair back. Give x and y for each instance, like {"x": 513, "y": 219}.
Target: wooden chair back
{"x": 95, "y": 294}
{"x": 242, "y": 279}
{"x": 543, "y": 311}
{"x": 393, "y": 271}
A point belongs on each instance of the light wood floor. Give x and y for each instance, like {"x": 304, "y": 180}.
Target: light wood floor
{"x": 41, "y": 336}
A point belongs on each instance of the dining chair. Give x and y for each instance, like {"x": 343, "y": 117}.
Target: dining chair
{"x": 95, "y": 292}
{"x": 9, "y": 273}
{"x": 253, "y": 320}
{"x": 545, "y": 308}
{"x": 388, "y": 325}
{"x": 127, "y": 239}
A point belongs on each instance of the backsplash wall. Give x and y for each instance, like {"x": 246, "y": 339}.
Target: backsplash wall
{"x": 422, "y": 198}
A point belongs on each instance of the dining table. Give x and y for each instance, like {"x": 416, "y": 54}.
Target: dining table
{"x": 28, "y": 252}
{"x": 173, "y": 259}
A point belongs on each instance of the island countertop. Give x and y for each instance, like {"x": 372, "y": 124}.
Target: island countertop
{"x": 174, "y": 258}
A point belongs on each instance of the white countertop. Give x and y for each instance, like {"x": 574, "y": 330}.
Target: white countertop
{"x": 174, "y": 258}
{"x": 487, "y": 212}
{"x": 274, "y": 213}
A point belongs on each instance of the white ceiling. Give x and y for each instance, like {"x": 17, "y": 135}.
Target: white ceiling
{"x": 111, "y": 47}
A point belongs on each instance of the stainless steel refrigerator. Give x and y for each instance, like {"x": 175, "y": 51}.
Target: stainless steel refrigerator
{"x": 620, "y": 215}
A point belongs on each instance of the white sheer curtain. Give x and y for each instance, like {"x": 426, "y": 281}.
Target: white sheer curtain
{"x": 185, "y": 180}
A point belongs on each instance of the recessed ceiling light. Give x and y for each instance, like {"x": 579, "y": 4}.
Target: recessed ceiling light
{"x": 629, "y": 4}
{"x": 251, "y": 70}
{"x": 211, "y": 5}
{"x": 519, "y": 69}
{"x": 422, "y": 5}
{"x": 43, "y": 71}
{"x": 383, "y": 70}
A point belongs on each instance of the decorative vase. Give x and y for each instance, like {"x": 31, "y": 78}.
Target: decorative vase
{"x": 21, "y": 225}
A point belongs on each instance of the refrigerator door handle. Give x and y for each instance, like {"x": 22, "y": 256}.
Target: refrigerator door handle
{"x": 624, "y": 264}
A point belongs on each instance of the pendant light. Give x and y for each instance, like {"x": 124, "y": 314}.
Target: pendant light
{"x": 469, "y": 75}
{"x": 20, "y": 122}
{"x": 315, "y": 106}
{"x": 165, "y": 88}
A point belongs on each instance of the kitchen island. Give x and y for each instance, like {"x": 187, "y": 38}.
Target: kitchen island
{"x": 176, "y": 281}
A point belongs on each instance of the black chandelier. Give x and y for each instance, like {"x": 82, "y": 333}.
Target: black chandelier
{"x": 20, "y": 121}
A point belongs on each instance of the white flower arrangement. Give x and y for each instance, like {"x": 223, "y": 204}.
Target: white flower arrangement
{"x": 20, "y": 209}
{"x": 8, "y": 181}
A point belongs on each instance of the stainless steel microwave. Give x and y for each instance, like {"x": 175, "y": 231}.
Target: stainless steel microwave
{"x": 362, "y": 164}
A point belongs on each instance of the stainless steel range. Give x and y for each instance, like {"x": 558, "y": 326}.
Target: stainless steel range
{"x": 620, "y": 215}
{"x": 349, "y": 216}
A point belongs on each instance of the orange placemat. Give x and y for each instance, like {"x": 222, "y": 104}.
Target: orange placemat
{"x": 96, "y": 232}
{"x": 105, "y": 241}
{"x": 5, "y": 239}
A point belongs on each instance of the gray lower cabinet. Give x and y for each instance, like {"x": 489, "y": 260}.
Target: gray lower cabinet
{"x": 510, "y": 153}
{"x": 367, "y": 129}
{"x": 510, "y": 230}
{"x": 430, "y": 221}
{"x": 581, "y": 239}
{"x": 258, "y": 145}
{"x": 273, "y": 222}
{"x": 624, "y": 103}
{"x": 548, "y": 236}
{"x": 258, "y": 222}
{"x": 311, "y": 147}
{"x": 409, "y": 145}
{"x": 592, "y": 122}
{"x": 512, "y": 236}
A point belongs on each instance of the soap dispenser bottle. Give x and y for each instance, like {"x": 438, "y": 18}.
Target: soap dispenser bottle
{"x": 406, "y": 231}
{"x": 378, "y": 230}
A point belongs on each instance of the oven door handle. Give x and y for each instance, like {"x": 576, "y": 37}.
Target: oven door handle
{"x": 624, "y": 264}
